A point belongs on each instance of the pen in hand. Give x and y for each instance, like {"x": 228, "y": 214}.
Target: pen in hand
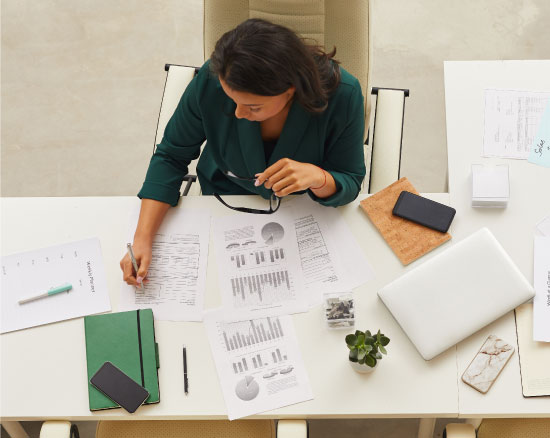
{"x": 134, "y": 262}
{"x": 185, "y": 382}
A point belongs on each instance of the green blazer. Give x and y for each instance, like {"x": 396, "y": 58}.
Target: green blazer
{"x": 332, "y": 140}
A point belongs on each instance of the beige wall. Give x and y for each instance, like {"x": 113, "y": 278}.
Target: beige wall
{"x": 82, "y": 81}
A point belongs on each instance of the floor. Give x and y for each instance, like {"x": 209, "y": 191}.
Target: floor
{"x": 82, "y": 81}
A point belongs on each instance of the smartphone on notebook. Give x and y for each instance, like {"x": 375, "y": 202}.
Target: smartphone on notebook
{"x": 120, "y": 388}
{"x": 424, "y": 211}
{"x": 487, "y": 364}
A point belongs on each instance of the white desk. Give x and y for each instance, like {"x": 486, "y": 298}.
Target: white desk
{"x": 513, "y": 226}
{"x": 44, "y": 373}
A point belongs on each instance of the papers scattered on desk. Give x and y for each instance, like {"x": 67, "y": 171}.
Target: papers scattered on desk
{"x": 177, "y": 274}
{"x": 534, "y": 356}
{"x": 512, "y": 120}
{"x": 540, "y": 149}
{"x": 331, "y": 258}
{"x": 258, "y": 362}
{"x": 541, "y": 302}
{"x": 31, "y": 273}
{"x": 259, "y": 266}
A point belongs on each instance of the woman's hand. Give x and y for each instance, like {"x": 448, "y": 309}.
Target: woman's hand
{"x": 288, "y": 176}
{"x": 142, "y": 253}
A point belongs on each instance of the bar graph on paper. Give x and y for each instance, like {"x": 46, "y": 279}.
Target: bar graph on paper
{"x": 244, "y": 334}
{"x": 259, "y": 360}
{"x": 261, "y": 288}
{"x": 257, "y": 258}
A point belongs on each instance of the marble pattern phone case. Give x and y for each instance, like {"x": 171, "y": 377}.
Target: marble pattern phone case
{"x": 487, "y": 364}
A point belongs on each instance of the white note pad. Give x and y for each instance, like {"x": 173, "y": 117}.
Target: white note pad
{"x": 31, "y": 273}
{"x": 456, "y": 293}
{"x": 490, "y": 186}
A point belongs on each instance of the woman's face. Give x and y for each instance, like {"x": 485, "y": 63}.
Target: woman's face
{"x": 257, "y": 108}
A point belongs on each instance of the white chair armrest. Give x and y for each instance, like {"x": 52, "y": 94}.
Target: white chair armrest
{"x": 386, "y": 141}
{"x": 292, "y": 429}
{"x": 460, "y": 430}
{"x": 55, "y": 429}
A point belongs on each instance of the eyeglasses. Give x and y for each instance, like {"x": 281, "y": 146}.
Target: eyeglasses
{"x": 274, "y": 201}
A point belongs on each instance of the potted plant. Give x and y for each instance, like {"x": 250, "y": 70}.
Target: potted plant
{"x": 366, "y": 350}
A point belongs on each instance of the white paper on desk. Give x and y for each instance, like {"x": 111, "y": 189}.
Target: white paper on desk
{"x": 541, "y": 302}
{"x": 258, "y": 265}
{"x": 177, "y": 274}
{"x": 331, "y": 258}
{"x": 534, "y": 357}
{"x": 31, "y": 273}
{"x": 259, "y": 363}
{"x": 512, "y": 121}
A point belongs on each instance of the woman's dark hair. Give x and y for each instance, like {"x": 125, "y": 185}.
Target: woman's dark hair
{"x": 266, "y": 59}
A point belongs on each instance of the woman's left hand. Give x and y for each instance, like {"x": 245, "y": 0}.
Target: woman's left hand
{"x": 287, "y": 176}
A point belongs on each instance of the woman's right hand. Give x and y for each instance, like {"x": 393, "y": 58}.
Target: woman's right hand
{"x": 142, "y": 252}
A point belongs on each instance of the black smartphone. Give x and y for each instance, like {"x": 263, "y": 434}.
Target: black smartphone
{"x": 424, "y": 211}
{"x": 120, "y": 388}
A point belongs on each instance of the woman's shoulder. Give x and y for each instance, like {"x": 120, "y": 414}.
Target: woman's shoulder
{"x": 348, "y": 93}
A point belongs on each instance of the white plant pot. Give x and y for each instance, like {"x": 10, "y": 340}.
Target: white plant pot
{"x": 362, "y": 368}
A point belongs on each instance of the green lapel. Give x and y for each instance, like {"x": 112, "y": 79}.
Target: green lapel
{"x": 295, "y": 126}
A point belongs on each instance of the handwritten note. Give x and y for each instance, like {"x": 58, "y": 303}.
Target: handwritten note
{"x": 540, "y": 149}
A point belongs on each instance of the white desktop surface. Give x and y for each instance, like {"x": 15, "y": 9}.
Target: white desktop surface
{"x": 513, "y": 226}
{"x": 43, "y": 369}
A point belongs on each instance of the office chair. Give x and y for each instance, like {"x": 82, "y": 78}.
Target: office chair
{"x": 344, "y": 24}
{"x": 502, "y": 428}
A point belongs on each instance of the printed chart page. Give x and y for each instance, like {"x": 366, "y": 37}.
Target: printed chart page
{"x": 32, "y": 273}
{"x": 176, "y": 279}
{"x": 259, "y": 266}
{"x": 331, "y": 258}
{"x": 512, "y": 120}
{"x": 259, "y": 363}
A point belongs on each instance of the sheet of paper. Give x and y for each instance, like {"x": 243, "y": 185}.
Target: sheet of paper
{"x": 543, "y": 226}
{"x": 177, "y": 274}
{"x": 331, "y": 258}
{"x": 541, "y": 312}
{"x": 259, "y": 363}
{"x": 512, "y": 120}
{"x": 31, "y": 273}
{"x": 258, "y": 265}
{"x": 540, "y": 149}
{"x": 534, "y": 356}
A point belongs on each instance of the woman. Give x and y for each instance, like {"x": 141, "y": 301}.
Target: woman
{"x": 279, "y": 117}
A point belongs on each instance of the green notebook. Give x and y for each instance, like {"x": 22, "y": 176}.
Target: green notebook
{"x": 127, "y": 339}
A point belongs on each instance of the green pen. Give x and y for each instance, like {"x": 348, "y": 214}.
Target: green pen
{"x": 54, "y": 290}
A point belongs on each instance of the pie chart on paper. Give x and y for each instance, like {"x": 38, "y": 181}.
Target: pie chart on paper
{"x": 272, "y": 232}
{"x": 247, "y": 389}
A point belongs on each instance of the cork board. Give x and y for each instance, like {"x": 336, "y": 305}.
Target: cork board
{"x": 409, "y": 241}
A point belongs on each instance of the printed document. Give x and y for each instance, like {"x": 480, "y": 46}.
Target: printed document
{"x": 541, "y": 302}
{"x": 258, "y": 362}
{"x": 259, "y": 266}
{"x": 176, "y": 278}
{"x": 331, "y": 258}
{"x": 32, "y": 273}
{"x": 512, "y": 120}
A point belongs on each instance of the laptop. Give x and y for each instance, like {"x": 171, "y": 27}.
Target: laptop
{"x": 456, "y": 293}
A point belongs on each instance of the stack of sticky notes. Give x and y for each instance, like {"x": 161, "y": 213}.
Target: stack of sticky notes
{"x": 490, "y": 186}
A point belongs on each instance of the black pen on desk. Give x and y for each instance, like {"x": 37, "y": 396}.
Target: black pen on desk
{"x": 185, "y": 382}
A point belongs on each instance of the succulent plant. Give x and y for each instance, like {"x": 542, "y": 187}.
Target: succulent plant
{"x": 366, "y": 348}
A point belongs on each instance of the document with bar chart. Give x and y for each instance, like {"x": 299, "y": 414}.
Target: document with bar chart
{"x": 259, "y": 266}
{"x": 258, "y": 362}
